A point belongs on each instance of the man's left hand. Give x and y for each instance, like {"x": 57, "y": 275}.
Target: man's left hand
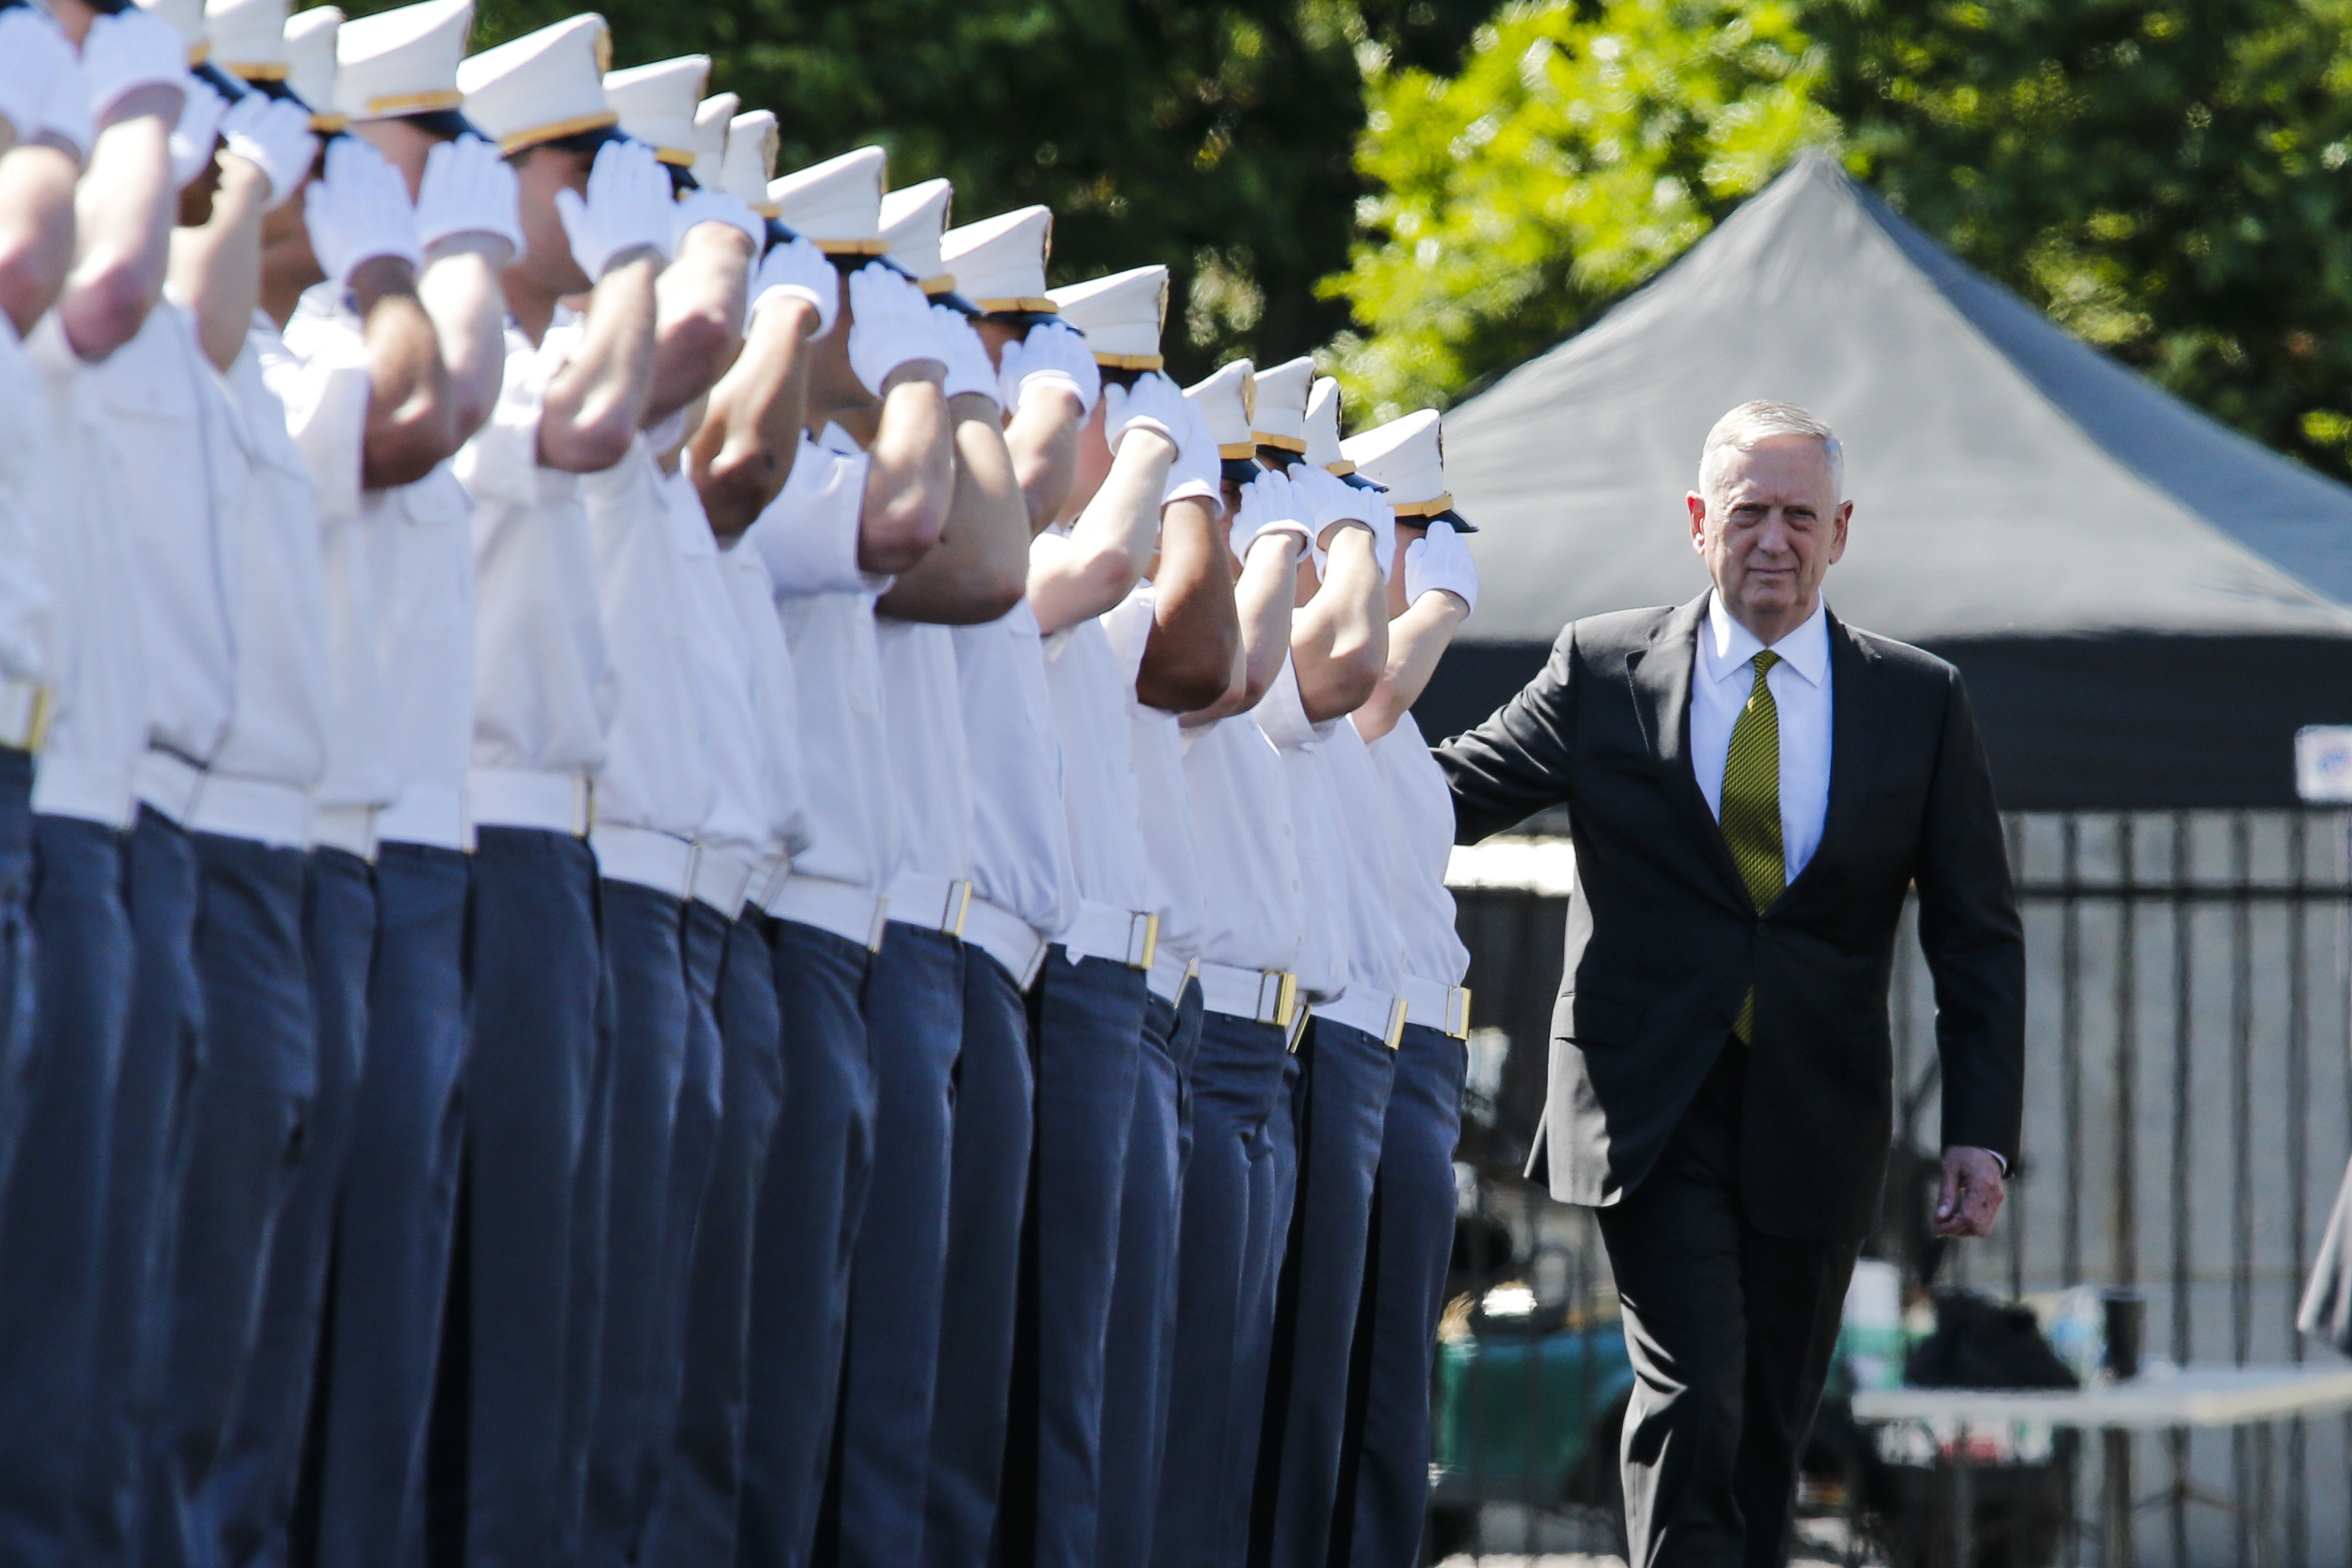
{"x": 1973, "y": 1190}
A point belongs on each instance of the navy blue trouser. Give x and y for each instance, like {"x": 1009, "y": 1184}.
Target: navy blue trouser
{"x": 18, "y": 1059}
{"x": 1384, "y": 1473}
{"x": 889, "y": 1365}
{"x": 162, "y": 1045}
{"x": 53, "y": 1223}
{"x": 1340, "y": 1108}
{"x": 1236, "y": 1075}
{"x": 537, "y": 965}
{"x": 989, "y": 1190}
{"x": 812, "y": 1204}
{"x": 248, "y": 1132}
{"x": 1090, "y": 1033}
{"x": 1137, "y": 1355}
{"x": 364, "y": 1502}
{"x": 250, "y": 1501}
{"x": 694, "y": 1521}
{"x": 644, "y": 967}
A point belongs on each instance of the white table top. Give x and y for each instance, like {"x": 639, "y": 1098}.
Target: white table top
{"x": 2162, "y": 1395}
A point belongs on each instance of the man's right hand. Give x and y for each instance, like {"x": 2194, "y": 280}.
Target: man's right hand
{"x": 627, "y": 209}
{"x": 890, "y": 326}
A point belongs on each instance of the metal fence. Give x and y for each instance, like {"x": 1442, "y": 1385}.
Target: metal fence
{"x": 2188, "y": 1118}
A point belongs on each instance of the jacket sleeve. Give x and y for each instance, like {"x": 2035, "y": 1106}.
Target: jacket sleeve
{"x": 1974, "y": 942}
{"x": 1516, "y": 763}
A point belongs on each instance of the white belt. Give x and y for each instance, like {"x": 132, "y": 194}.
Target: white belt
{"x": 260, "y": 810}
{"x": 1128, "y": 936}
{"x": 662, "y": 862}
{"x": 426, "y": 814}
{"x": 1377, "y": 1013}
{"x": 88, "y": 791}
{"x": 852, "y": 913}
{"x": 1005, "y": 937}
{"x": 768, "y": 879}
{"x": 721, "y": 880}
{"x": 169, "y": 782}
{"x": 526, "y": 797}
{"x": 1445, "y": 1009}
{"x": 351, "y": 828}
{"x": 933, "y": 902}
{"x": 25, "y": 709}
{"x": 1170, "y": 975}
{"x": 1261, "y": 996}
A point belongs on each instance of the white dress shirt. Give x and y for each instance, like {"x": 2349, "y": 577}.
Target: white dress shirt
{"x": 1089, "y": 683}
{"x": 1721, "y": 681}
{"x": 1326, "y": 932}
{"x": 27, "y": 447}
{"x": 1164, "y": 800}
{"x": 1424, "y": 807}
{"x": 923, "y": 729}
{"x": 1251, "y": 896}
{"x": 1020, "y": 838}
{"x": 776, "y": 712}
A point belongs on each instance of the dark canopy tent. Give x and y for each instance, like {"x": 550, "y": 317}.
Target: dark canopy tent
{"x": 2146, "y": 604}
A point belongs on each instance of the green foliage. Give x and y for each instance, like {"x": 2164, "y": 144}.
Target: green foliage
{"x": 1579, "y": 148}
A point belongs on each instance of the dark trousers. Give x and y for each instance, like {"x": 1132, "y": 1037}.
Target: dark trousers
{"x": 250, "y": 1502}
{"x": 54, "y": 1221}
{"x": 163, "y": 1047}
{"x": 1339, "y": 1106}
{"x": 882, "y": 1448}
{"x": 988, "y": 1193}
{"x": 811, "y": 1207}
{"x": 694, "y": 1520}
{"x": 1384, "y": 1468}
{"x": 537, "y": 965}
{"x": 1203, "y": 1492}
{"x": 18, "y": 1059}
{"x": 364, "y": 1500}
{"x": 1730, "y": 1332}
{"x": 644, "y": 969}
{"x": 1137, "y": 1352}
{"x": 246, "y": 1130}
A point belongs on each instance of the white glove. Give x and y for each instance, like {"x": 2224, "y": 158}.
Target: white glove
{"x": 890, "y": 325}
{"x": 358, "y": 211}
{"x": 1334, "y": 500}
{"x": 1054, "y": 354}
{"x": 193, "y": 137}
{"x": 627, "y": 208}
{"x": 468, "y": 188}
{"x": 126, "y": 50}
{"x": 1269, "y": 506}
{"x": 1441, "y": 563}
{"x": 967, "y": 357}
{"x": 1153, "y": 404}
{"x": 274, "y": 136}
{"x": 796, "y": 269}
{"x": 1198, "y": 471}
{"x": 719, "y": 207}
{"x": 31, "y": 49}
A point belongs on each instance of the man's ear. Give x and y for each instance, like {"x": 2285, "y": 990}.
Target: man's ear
{"x": 1843, "y": 515}
{"x": 1697, "y": 505}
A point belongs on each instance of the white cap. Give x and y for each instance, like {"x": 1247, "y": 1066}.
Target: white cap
{"x": 1280, "y": 421}
{"x": 837, "y": 204}
{"x": 912, "y": 221}
{"x": 1407, "y": 456}
{"x": 1225, "y": 401}
{"x": 1000, "y": 263}
{"x": 711, "y": 116}
{"x": 402, "y": 62}
{"x": 657, "y": 104}
{"x": 1323, "y": 428}
{"x": 752, "y": 140}
{"x": 248, "y": 38}
{"x": 185, "y": 17}
{"x": 1121, "y": 315}
{"x": 311, "y": 38}
{"x": 542, "y": 87}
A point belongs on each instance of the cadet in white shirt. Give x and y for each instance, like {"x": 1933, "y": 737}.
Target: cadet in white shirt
{"x": 63, "y": 1223}
{"x": 410, "y": 563}
{"x": 850, "y": 517}
{"x": 597, "y": 219}
{"x": 1432, "y": 588}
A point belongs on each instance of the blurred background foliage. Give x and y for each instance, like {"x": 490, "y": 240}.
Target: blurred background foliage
{"x": 1426, "y": 191}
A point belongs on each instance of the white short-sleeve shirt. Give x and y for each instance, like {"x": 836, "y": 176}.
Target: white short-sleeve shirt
{"x": 1090, "y": 685}
{"x": 1020, "y": 837}
{"x": 1323, "y": 937}
{"x": 775, "y": 702}
{"x": 1424, "y": 820}
{"x": 1163, "y": 800}
{"x": 1253, "y": 895}
{"x": 718, "y": 656}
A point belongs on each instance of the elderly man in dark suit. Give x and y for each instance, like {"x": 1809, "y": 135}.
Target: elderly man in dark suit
{"x": 1753, "y": 786}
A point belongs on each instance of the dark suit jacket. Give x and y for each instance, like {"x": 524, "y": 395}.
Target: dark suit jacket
{"x": 1663, "y": 941}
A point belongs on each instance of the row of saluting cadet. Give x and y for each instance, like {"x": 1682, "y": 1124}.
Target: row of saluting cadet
{"x": 688, "y": 876}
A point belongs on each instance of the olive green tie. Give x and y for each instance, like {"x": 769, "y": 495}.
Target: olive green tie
{"x": 1750, "y": 814}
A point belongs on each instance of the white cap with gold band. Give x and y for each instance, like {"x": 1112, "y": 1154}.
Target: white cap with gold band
{"x": 312, "y": 37}
{"x": 837, "y": 204}
{"x": 1407, "y": 456}
{"x": 1323, "y": 429}
{"x": 1225, "y": 400}
{"x": 185, "y": 17}
{"x": 402, "y": 62}
{"x": 1000, "y": 263}
{"x": 248, "y": 37}
{"x": 711, "y": 117}
{"x": 913, "y": 220}
{"x": 542, "y": 87}
{"x": 1122, "y": 316}
{"x": 752, "y": 140}
{"x": 657, "y": 104}
{"x": 1280, "y": 421}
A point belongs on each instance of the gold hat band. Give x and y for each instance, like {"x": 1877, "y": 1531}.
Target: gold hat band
{"x": 402, "y": 104}
{"x": 1237, "y": 449}
{"x": 1020, "y": 302}
{"x": 672, "y": 157}
{"x": 1342, "y": 468}
{"x": 199, "y": 53}
{"x": 261, "y": 72}
{"x": 1280, "y": 442}
{"x": 328, "y": 124}
{"x": 578, "y": 125}
{"x": 767, "y": 210}
{"x": 1129, "y": 362}
{"x": 1443, "y": 502}
{"x": 854, "y": 246}
{"x": 942, "y": 283}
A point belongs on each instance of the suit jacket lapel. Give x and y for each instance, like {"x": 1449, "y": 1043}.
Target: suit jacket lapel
{"x": 1661, "y": 678}
{"x": 1855, "y": 698}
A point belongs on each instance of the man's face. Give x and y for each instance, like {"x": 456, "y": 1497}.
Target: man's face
{"x": 286, "y": 259}
{"x": 547, "y": 260}
{"x": 404, "y": 146}
{"x": 995, "y": 335}
{"x": 1769, "y": 527}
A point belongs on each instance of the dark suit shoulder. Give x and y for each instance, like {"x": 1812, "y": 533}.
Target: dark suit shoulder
{"x": 1616, "y": 633}
{"x": 1903, "y": 659}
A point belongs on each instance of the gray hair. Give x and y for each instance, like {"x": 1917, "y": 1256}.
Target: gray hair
{"x": 1751, "y": 423}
